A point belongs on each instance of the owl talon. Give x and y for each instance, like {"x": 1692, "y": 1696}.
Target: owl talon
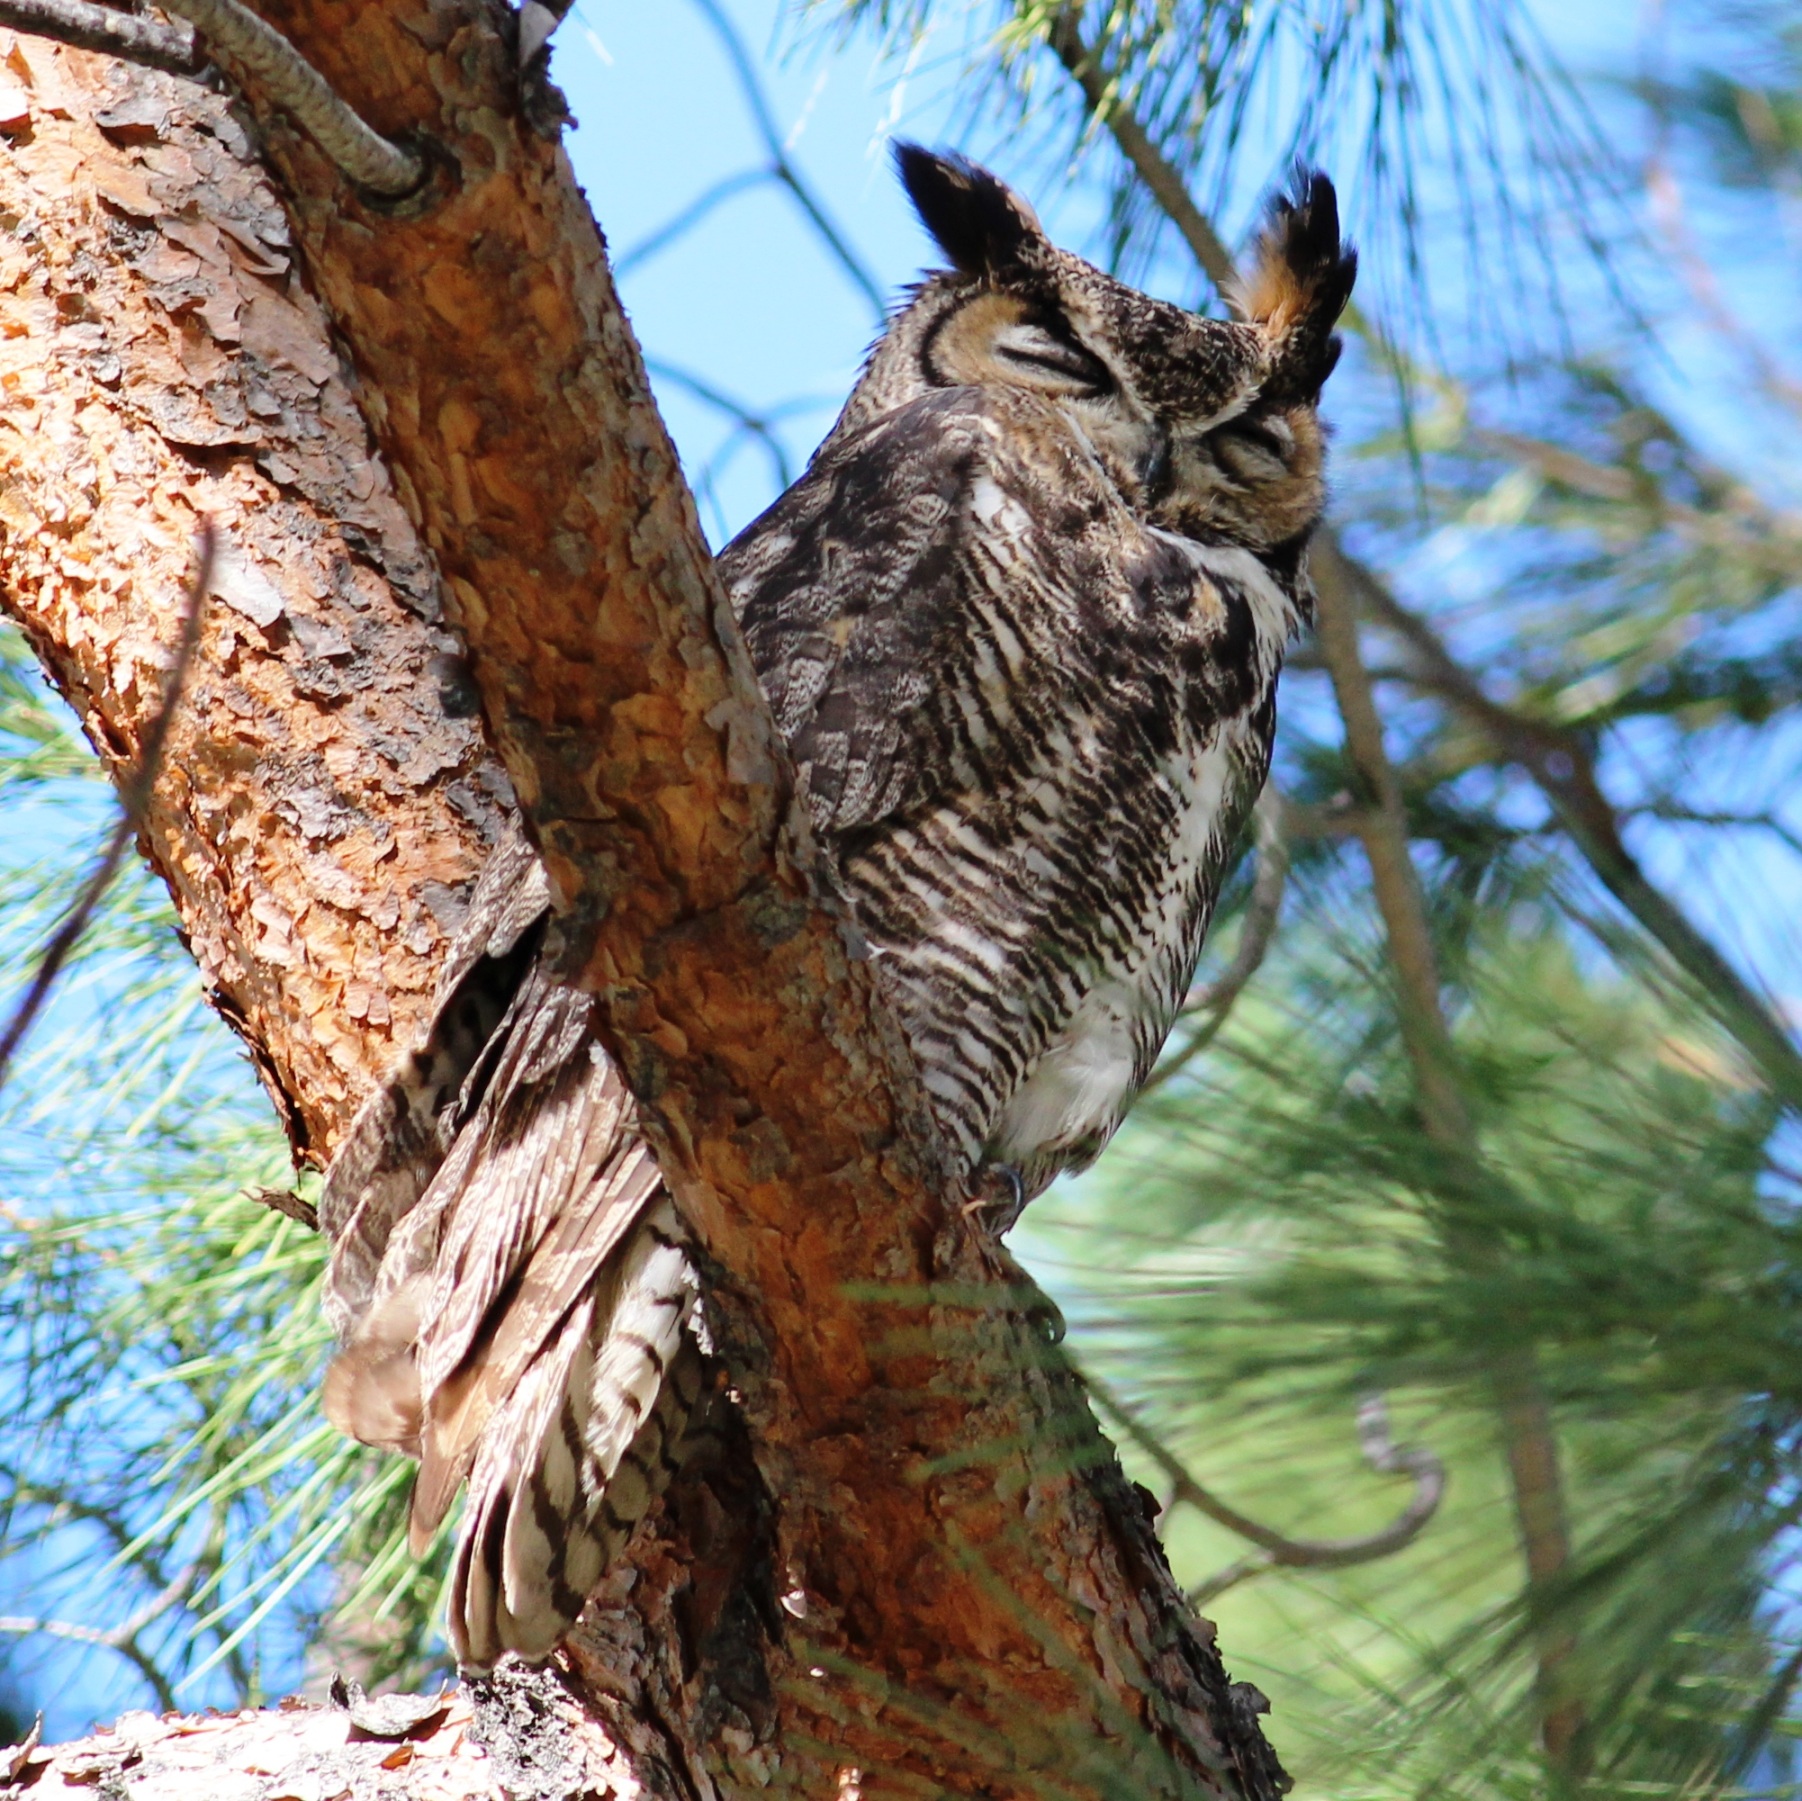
{"x": 997, "y": 1213}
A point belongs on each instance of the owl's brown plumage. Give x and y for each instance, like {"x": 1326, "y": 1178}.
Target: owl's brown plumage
{"x": 1020, "y": 623}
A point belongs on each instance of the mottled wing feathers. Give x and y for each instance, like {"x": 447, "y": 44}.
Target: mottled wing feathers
{"x": 559, "y": 1271}
{"x": 554, "y": 1110}
{"x": 848, "y": 628}
{"x": 505, "y": 1262}
{"x": 553, "y": 1178}
{"x": 399, "y": 1137}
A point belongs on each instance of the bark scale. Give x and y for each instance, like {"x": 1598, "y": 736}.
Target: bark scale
{"x": 926, "y": 1572}
{"x": 319, "y": 812}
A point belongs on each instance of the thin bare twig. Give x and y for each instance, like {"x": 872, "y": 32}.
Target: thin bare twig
{"x": 134, "y": 797}
{"x": 1667, "y": 206}
{"x": 1764, "y": 820}
{"x": 1277, "y": 1549}
{"x": 24, "y": 1627}
{"x": 129, "y": 36}
{"x": 292, "y": 83}
{"x": 122, "y": 1638}
{"x": 689, "y": 217}
{"x": 129, "y": 1649}
{"x": 761, "y": 426}
{"x": 1261, "y": 913}
{"x": 1747, "y": 528}
{"x": 782, "y": 169}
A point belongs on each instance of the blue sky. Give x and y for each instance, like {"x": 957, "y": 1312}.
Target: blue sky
{"x": 750, "y": 300}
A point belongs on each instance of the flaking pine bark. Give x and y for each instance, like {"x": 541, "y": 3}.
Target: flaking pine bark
{"x": 422, "y": 429}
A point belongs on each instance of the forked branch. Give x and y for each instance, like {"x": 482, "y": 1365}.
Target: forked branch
{"x": 1277, "y": 1550}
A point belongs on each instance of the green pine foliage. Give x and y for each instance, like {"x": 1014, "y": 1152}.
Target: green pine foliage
{"x": 172, "y": 1502}
{"x": 1271, "y": 1244}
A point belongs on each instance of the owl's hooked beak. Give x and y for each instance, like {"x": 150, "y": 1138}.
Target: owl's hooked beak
{"x": 1156, "y": 476}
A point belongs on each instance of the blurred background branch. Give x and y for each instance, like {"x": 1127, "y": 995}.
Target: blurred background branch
{"x": 1278, "y": 1548}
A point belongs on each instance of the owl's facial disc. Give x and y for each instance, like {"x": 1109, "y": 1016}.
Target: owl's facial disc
{"x": 1001, "y": 338}
{"x": 1206, "y": 427}
{"x": 1255, "y": 480}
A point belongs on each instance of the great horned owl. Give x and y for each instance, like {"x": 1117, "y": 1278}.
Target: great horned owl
{"x": 1020, "y": 623}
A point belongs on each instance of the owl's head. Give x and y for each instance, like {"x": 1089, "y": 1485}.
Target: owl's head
{"x": 1207, "y": 427}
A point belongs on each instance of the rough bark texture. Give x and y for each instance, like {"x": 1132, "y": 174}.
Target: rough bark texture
{"x": 531, "y": 1741}
{"x": 319, "y": 812}
{"x": 926, "y": 1571}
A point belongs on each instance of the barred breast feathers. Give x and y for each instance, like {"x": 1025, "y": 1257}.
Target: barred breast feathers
{"x": 1021, "y": 623}
{"x": 971, "y": 683}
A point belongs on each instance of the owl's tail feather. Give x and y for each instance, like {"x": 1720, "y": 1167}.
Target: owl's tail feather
{"x": 511, "y": 1286}
{"x": 476, "y": 1346}
{"x": 1301, "y": 278}
{"x": 399, "y": 1138}
{"x": 585, "y": 1443}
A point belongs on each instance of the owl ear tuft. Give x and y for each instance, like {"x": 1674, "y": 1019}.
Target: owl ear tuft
{"x": 1300, "y": 281}
{"x": 980, "y": 223}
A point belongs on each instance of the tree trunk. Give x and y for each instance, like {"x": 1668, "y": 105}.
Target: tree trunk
{"x": 926, "y": 1573}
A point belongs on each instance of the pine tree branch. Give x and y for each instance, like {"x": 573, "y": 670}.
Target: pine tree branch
{"x": 288, "y": 80}
{"x": 1562, "y": 763}
{"x": 1161, "y": 178}
{"x": 895, "y": 1450}
{"x": 1528, "y": 1441}
{"x": 521, "y": 1737}
{"x": 129, "y": 36}
{"x": 250, "y": 45}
